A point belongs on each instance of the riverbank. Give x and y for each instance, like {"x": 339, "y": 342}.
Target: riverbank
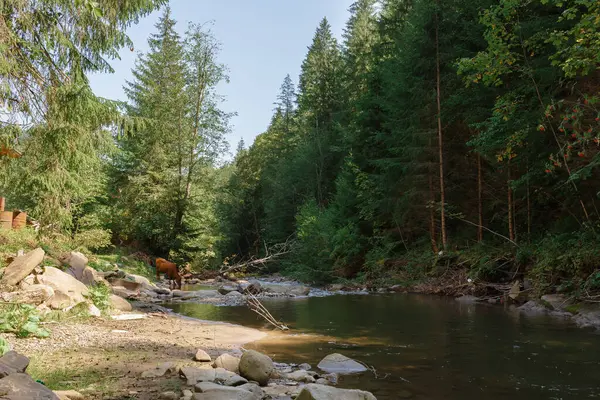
{"x": 104, "y": 358}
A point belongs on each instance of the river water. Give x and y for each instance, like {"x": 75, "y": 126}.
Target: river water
{"x": 425, "y": 347}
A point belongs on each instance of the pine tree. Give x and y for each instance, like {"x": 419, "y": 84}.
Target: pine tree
{"x": 286, "y": 102}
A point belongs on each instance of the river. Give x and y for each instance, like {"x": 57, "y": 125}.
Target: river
{"x": 425, "y": 347}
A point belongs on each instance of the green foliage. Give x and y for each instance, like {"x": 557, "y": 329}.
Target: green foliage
{"x": 22, "y": 320}
{"x": 100, "y": 296}
{"x": 4, "y": 346}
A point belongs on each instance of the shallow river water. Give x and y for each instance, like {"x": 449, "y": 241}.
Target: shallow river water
{"x": 432, "y": 348}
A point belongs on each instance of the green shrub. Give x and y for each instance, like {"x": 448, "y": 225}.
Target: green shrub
{"x": 100, "y": 296}
{"x": 4, "y": 346}
{"x": 22, "y": 320}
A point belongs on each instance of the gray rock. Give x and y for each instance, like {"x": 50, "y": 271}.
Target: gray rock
{"x": 159, "y": 370}
{"x": 195, "y": 375}
{"x": 467, "y": 299}
{"x": 202, "y": 356}
{"x": 340, "y": 364}
{"x": 228, "y": 362}
{"x": 13, "y": 363}
{"x": 64, "y": 285}
{"x": 235, "y": 293}
{"x": 212, "y": 391}
{"x": 321, "y": 392}
{"x": 301, "y": 376}
{"x": 69, "y": 395}
{"x": 77, "y": 263}
{"x": 169, "y": 396}
{"x": 235, "y": 380}
{"x": 94, "y": 311}
{"x": 32, "y": 294}
{"x": 253, "y": 287}
{"x": 332, "y": 378}
{"x": 159, "y": 290}
{"x": 322, "y": 381}
{"x": 588, "y": 319}
{"x": 557, "y": 302}
{"x": 226, "y": 289}
{"x": 124, "y": 293}
{"x": 187, "y": 394}
{"x": 533, "y": 308}
{"x": 253, "y": 388}
{"x": 120, "y": 303}
{"x": 305, "y": 366}
{"x": 22, "y": 387}
{"x": 256, "y": 367}
{"x": 21, "y": 267}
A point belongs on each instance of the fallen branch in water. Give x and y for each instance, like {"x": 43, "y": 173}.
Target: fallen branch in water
{"x": 271, "y": 254}
{"x": 374, "y": 371}
{"x": 255, "y": 305}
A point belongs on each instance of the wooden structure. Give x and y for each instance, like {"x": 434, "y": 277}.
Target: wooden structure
{"x": 11, "y": 219}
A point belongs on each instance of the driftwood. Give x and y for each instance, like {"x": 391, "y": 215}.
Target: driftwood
{"x": 255, "y": 305}
{"x": 256, "y": 264}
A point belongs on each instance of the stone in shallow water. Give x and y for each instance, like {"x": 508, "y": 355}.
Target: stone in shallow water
{"x": 340, "y": 364}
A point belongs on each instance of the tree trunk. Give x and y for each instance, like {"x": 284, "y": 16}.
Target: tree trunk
{"x": 432, "y": 230}
{"x": 440, "y": 134}
{"x": 479, "y": 199}
{"x": 511, "y": 228}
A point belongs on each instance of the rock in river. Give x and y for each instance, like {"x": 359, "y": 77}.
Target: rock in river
{"x": 321, "y": 392}
{"x": 340, "y": 364}
{"x": 256, "y": 367}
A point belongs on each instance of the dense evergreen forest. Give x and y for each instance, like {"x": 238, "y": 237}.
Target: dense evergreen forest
{"x": 437, "y": 135}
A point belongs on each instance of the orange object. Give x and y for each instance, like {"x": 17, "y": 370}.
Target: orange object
{"x": 19, "y": 220}
{"x": 6, "y": 218}
{"x": 2, "y": 203}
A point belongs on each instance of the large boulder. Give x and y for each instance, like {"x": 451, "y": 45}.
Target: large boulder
{"x": 557, "y": 302}
{"x": 21, "y": 267}
{"x": 228, "y": 362}
{"x": 33, "y": 294}
{"x": 119, "y": 303}
{"x": 77, "y": 263}
{"x": 65, "y": 286}
{"x": 22, "y": 387}
{"x": 322, "y": 392}
{"x": 13, "y": 363}
{"x": 256, "y": 366}
{"x": 340, "y": 364}
{"x": 252, "y": 287}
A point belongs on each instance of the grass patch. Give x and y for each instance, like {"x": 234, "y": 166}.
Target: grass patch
{"x": 71, "y": 379}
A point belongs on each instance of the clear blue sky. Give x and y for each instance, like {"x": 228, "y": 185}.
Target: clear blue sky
{"x": 262, "y": 40}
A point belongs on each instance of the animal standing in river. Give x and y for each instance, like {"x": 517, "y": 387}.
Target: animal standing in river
{"x": 170, "y": 270}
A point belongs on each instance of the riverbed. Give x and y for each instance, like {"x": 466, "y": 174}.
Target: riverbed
{"x": 426, "y": 347}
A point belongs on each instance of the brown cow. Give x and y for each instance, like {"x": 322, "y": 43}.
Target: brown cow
{"x": 170, "y": 270}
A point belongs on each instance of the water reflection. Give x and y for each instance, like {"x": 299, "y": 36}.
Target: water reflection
{"x": 446, "y": 350}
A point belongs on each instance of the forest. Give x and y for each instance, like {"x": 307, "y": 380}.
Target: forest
{"x": 434, "y": 137}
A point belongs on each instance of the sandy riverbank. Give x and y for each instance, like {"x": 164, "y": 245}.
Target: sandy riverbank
{"x": 103, "y": 358}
